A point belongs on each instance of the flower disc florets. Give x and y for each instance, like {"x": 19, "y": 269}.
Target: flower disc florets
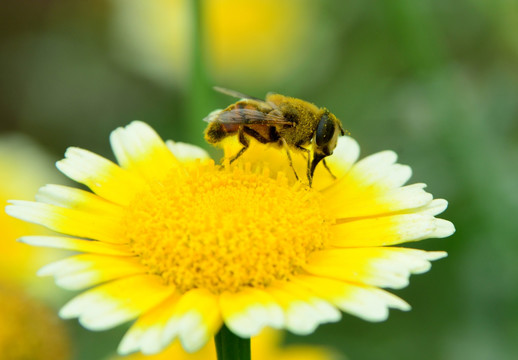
{"x": 225, "y": 229}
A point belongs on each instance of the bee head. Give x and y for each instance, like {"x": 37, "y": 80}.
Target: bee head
{"x": 325, "y": 139}
{"x": 326, "y": 134}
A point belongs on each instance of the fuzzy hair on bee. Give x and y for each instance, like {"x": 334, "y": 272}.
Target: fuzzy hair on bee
{"x": 291, "y": 123}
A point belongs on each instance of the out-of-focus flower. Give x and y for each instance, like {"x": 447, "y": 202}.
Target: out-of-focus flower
{"x": 184, "y": 245}
{"x": 265, "y": 346}
{"x": 23, "y": 167}
{"x": 29, "y": 329}
{"x": 263, "y": 41}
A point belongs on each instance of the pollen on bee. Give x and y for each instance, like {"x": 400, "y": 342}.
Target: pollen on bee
{"x": 215, "y": 133}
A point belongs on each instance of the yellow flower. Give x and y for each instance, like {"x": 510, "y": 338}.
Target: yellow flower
{"x": 183, "y": 245}
{"x": 265, "y": 346}
{"x": 272, "y": 37}
{"x": 28, "y": 329}
{"x": 24, "y": 166}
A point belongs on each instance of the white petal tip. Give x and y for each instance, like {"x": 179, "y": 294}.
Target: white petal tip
{"x": 43, "y": 272}
{"x": 186, "y": 152}
{"x": 444, "y": 228}
{"x": 33, "y": 240}
{"x": 194, "y": 342}
{"x": 47, "y": 270}
{"x": 125, "y": 350}
{"x": 67, "y": 313}
{"x": 405, "y": 308}
{"x": 105, "y": 321}
{"x": 436, "y": 207}
{"x": 14, "y": 209}
{"x": 129, "y": 343}
{"x": 244, "y": 327}
{"x": 435, "y": 255}
{"x": 399, "y": 304}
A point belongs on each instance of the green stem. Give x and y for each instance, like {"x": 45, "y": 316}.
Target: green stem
{"x": 199, "y": 93}
{"x": 230, "y": 346}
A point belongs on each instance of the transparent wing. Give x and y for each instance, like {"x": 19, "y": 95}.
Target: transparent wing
{"x": 249, "y": 116}
{"x": 213, "y": 116}
{"x": 235, "y": 94}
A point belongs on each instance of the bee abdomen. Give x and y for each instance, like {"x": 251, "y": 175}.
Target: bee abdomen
{"x": 215, "y": 132}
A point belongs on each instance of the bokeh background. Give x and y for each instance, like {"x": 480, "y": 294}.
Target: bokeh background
{"x": 434, "y": 80}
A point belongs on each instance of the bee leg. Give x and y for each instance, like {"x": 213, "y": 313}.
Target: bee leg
{"x": 328, "y": 169}
{"x": 285, "y": 146}
{"x": 244, "y": 141}
{"x": 308, "y": 171}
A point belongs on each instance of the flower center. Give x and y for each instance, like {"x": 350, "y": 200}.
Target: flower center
{"x": 224, "y": 229}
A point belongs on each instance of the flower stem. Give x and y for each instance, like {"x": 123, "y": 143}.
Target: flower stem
{"x": 230, "y": 346}
{"x": 199, "y": 92}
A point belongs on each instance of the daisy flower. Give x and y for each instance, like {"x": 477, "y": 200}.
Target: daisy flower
{"x": 29, "y": 329}
{"x": 155, "y": 38}
{"x": 184, "y": 246}
{"x": 24, "y": 167}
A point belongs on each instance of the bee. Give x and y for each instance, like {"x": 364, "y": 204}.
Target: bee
{"x": 291, "y": 123}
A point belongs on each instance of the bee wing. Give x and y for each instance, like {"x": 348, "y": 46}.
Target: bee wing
{"x": 235, "y": 94}
{"x": 248, "y": 116}
{"x": 213, "y": 116}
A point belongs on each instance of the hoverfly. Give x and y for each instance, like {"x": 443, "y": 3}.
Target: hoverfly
{"x": 289, "y": 122}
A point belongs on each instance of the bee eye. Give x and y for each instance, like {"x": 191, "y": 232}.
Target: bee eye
{"x": 325, "y": 132}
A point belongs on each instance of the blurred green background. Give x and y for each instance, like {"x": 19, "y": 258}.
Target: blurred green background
{"x": 434, "y": 80}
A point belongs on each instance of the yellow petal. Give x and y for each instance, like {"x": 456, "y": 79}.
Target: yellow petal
{"x": 114, "y": 303}
{"x": 139, "y": 149}
{"x": 387, "y": 230}
{"x": 102, "y": 176}
{"x": 377, "y": 266}
{"x": 147, "y": 334}
{"x": 367, "y": 302}
{"x": 68, "y": 221}
{"x": 247, "y": 312}
{"x": 433, "y": 208}
{"x": 358, "y": 201}
{"x": 71, "y": 198}
{"x": 85, "y": 270}
{"x": 88, "y": 246}
{"x": 340, "y": 163}
{"x": 187, "y": 152}
{"x": 196, "y": 319}
{"x": 303, "y": 310}
{"x": 375, "y": 169}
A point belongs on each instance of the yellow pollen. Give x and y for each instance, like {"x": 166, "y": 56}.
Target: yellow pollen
{"x": 224, "y": 229}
